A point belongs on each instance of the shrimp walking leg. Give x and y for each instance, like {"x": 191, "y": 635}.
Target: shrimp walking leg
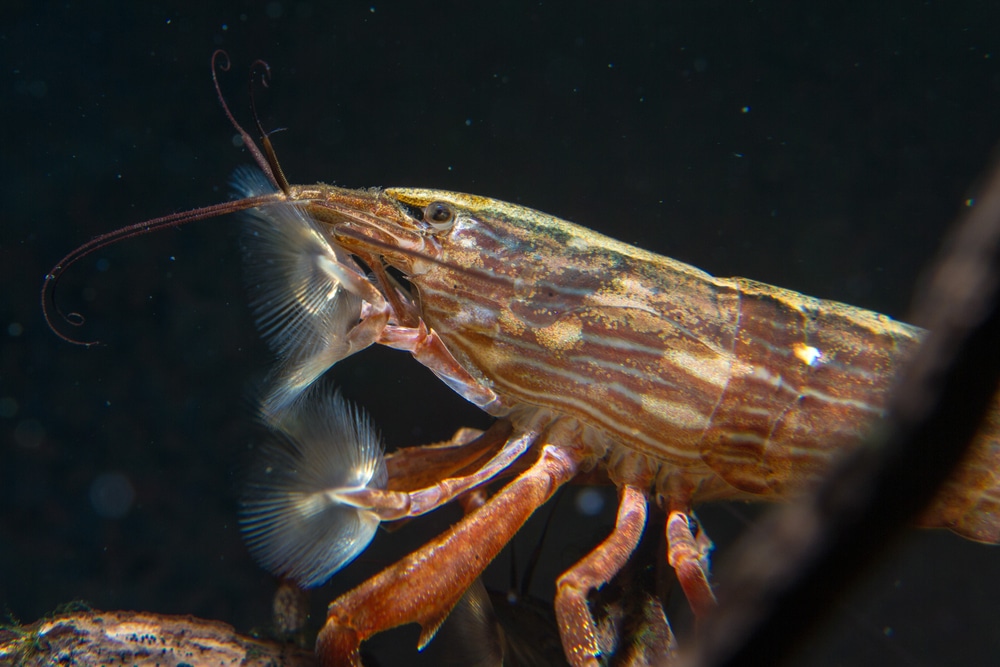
{"x": 576, "y": 624}
{"x": 424, "y": 586}
{"x": 688, "y": 555}
{"x": 414, "y": 467}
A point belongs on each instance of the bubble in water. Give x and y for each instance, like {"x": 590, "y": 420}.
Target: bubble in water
{"x": 111, "y": 495}
{"x": 589, "y": 502}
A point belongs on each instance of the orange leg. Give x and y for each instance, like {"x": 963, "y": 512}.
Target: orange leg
{"x": 411, "y": 468}
{"x": 415, "y": 467}
{"x": 576, "y": 625}
{"x": 392, "y": 505}
{"x": 688, "y": 555}
{"x": 424, "y": 586}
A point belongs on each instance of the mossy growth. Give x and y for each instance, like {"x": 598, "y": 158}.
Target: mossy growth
{"x": 19, "y": 643}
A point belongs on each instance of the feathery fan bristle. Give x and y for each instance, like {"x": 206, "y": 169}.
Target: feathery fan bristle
{"x": 290, "y": 518}
{"x": 302, "y": 310}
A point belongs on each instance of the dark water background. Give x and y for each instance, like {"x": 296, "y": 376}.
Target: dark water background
{"x": 820, "y": 146}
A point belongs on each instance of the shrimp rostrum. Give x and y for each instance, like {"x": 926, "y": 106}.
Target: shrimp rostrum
{"x": 681, "y": 386}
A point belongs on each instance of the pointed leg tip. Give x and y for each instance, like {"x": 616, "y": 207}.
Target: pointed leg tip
{"x": 688, "y": 555}
{"x": 338, "y": 646}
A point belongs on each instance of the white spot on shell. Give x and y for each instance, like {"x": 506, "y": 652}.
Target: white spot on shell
{"x": 807, "y": 354}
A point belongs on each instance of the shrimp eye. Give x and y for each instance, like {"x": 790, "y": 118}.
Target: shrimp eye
{"x": 439, "y": 216}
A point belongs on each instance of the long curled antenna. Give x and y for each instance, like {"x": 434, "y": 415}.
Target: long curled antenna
{"x": 49, "y": 305}
{"x": 265, "y": 163}
{"x": 276, "y": 173}
{"x": 266, "y": 160}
